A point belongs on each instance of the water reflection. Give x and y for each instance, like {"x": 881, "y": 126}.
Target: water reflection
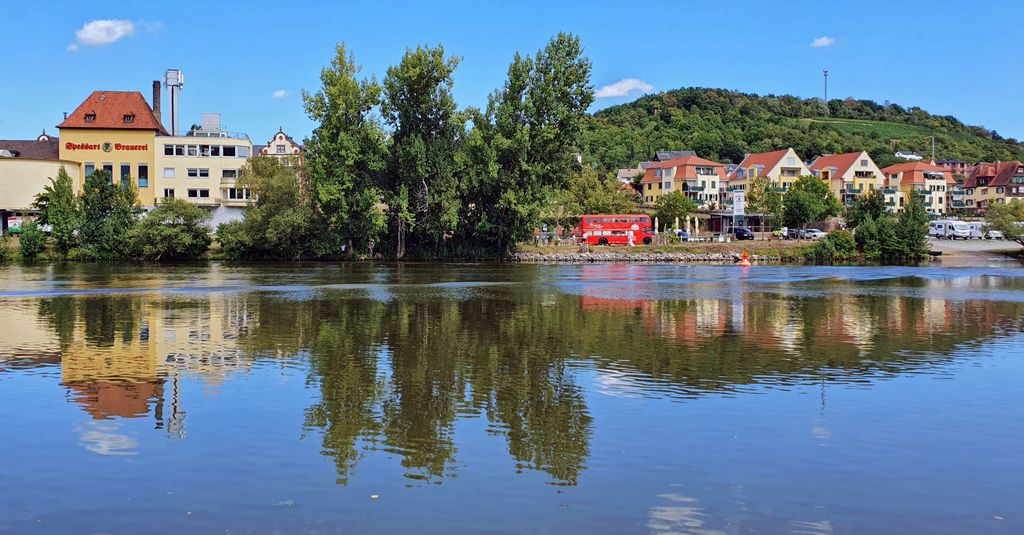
{"x": 394, "y": 362}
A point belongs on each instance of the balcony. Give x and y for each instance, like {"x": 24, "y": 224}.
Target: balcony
{"x": 853, "y": 191}
{"x": 889, "y": 191}
{"x": 695, "y": 188}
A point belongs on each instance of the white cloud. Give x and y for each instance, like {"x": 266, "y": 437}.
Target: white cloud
{"x": 823, "y": 41}
{"x": 72, "y": 48}
{"x": 280, "y": 93}
{"x": 104, "y": 31}
{"x": 623, "y": 87}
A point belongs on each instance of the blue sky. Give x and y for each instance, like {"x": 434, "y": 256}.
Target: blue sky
{"x": 249, "y": 61}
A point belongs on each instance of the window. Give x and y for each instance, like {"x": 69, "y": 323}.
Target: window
{"x": 790, "y": 160}
{"x": 229, "y": 173}
{"x": 279, "y": 148}
{"x": 90, "y": 168}
{"x": 179, "y": 150}
{"x": 168, "y": 150}
{"x": 168, "y": 172}
{"x": 238, "y": 194}
{"x": 168, "y": 193}
{"x": 192, "y": 150}
{"x": 129, "y": 118}
{"x": 204, "y": 150}
{"x": 214, "y": 150}
{"x": 228, "y": 151}
{"x": 789, "y": 172}
{"x": 999, "y": 189}
{"x": 198, "y": 193}
{"x": 90, "y": 117}
{"x": 108, "y": 168}
{"x": 143, "y": 175}
{"x": 863, "y": 163}
{"x": 126, "y": 172}
{"x": 198, "y": 173}
{"x": 243, "y": 152}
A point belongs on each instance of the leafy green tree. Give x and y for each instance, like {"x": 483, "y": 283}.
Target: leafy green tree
{"x": 519, "y": 154}
{"x": 174, "y": 230}
{"x": 279, "y": 224}
{"x": 1007, "y": 218}
{"x": 866, "y": 236}
{"x": 765, "y": 199}
{"x": 419, "y": 107}
{"x": 809, "y": 200}
{"x": 913, "y": 228}
{"x": 890, "y": 244}
{"x": 58, "y": 208}
{"x": 32, "y": 240}
{"x": 109, "y": 212}
{"x": 870, "y": 204}
{"x": 674, "y": 205}
{"x": 345, "y": 156}
{"x": 590, "y": 193}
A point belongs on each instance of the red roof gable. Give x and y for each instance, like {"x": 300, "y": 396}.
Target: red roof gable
{"x": 681, "y": 163}
{"x": 766, "y": 159}
{"x": 999, "y": 173}
{"x": 108, "y": 109}
{"x": 841, "y": 162}
{"x": 914, "y": 171}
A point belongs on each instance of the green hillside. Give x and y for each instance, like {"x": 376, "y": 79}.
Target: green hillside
{"x": 724, "y": 125}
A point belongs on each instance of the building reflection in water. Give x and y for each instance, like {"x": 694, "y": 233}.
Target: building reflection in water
{"x": 398, "y": 374}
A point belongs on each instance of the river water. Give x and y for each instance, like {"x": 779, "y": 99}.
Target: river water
{"x": 431, "y": 398}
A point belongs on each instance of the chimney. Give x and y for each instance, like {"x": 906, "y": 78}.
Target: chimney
{"x": 156, "y": 101}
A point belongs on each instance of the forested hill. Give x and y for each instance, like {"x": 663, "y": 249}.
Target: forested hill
{"x": 724, "y": 125}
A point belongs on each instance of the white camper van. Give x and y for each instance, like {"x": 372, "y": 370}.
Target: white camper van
{"x": 944, "y": 228}
{"x": 980, "y": 231}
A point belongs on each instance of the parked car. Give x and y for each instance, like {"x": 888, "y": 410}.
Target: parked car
{"x": 740, "y": 233}
{"x": 792, "y": 234}
{"x": 812, "y": 233}
{"x": 993, "y": 235}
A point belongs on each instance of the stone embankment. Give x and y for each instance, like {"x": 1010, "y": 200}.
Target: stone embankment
{"x": 584, "y": 258}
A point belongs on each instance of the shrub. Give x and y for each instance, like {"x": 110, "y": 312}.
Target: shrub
{"x": 33, "y": 240}
{"x": 837, "y": 245}
{"x": 175, "y": 230}
{"x": 6, "y": 253}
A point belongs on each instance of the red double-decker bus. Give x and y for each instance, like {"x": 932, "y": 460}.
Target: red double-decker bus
{"x": 616, "y": 229}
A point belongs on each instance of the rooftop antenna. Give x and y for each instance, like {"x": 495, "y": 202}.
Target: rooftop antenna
{"x": 175, "y": 81}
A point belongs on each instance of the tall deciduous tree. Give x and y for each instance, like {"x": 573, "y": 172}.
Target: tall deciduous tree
{"x": 419, "y": 106}
{"x": 870, "y": 204}
{"x": 109, "y": 212}
{"x": 765, "y": 199}
{"x": 345, "y": 156}
{"x": 521, "y": 148}
{"x": 61, "y": 213}
{"x": 808, "y": 200}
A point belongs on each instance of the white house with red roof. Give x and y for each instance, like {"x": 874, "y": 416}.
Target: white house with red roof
{"x": 781, "y": 167}
{"x": 697, "y": 178}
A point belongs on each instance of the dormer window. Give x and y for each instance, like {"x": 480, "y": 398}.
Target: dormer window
{"x": 90, "y": 117}
{"x": 129, "y": 118}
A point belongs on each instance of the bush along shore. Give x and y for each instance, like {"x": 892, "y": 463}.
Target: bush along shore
{"x": 629, "y": 256}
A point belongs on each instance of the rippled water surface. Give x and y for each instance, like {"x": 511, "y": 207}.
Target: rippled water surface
{"x": 429, "y": 398}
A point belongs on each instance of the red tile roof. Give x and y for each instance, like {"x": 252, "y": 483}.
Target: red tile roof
{"x": 999, "y": 173}
{"x": 914, "y": 171}
{"x": 682, "y": 165}
{"x": 108, "y": 110}
{"x": 766, "y": 159}
{"x": 841, "y": 162}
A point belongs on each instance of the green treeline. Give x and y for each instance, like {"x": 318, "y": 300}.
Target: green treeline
{"x": 105, "y": 222}
{"x": 395, "y": 167}
{"x": 724, "y": 125}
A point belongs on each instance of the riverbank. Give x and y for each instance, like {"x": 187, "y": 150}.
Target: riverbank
{"x": 758, "y": 251}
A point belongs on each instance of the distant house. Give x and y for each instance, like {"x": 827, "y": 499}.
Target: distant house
{"x": 997, "y": 182}
{"x": 781, "y": 167}
{"x": 699, "y": 179}
{"x": 849, "y": 174}
{"x": 626, "y": 176}
{"x": 929, "y": 180}
{"x": 956, "y": 167}
{"x": 282, "y": 147}
{"x": 665, "y": 155}
{"x": 909, "y": 155}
